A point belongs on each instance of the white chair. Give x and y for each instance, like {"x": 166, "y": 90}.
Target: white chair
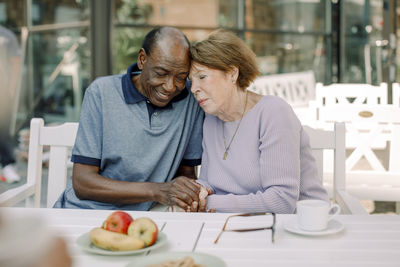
{"x": 396, "y": 94}
{"x": 296, "y": 88}
{"x": 60, "y": 139}
{"x": 350, "y": 93}
{"x": 367, "y": 127}
{"x": 370, "y": 129}
{"x": 321, "y": 140}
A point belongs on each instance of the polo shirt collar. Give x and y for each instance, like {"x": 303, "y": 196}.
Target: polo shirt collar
{"x": 133, "y": 96}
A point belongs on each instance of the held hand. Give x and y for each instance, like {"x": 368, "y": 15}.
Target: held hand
{"x": 204, "y": 192}
{"x": 181, "y": 191}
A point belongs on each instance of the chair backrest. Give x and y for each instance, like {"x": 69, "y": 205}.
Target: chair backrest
{"x": 60, "y": 139}
{"x": 322, "y": 140}
{"x": 347, "y": 93}
{"x": 396, "y": 94}
{"x": 368, "y": 127}
{"x": 296, "y": 88}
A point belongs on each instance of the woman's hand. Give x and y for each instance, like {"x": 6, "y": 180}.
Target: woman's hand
{"x": 200, "y": 206}
{"x": 181, "y": 191}
{"x": 204, "y": 192}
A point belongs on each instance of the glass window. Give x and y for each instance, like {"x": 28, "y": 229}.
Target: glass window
{"x": 299, "y": 16}
{"x": 228, "y": 13}
{"x": 397, "y": 60}
{"x": 61, "y": 11}
{"x": 131, "y": 12}
{"x": 362, "y": 46}
{"x": 278, "y": 51}
{"x": 282, "y": 53}
{"x": 60, "y": 70}
{"x": 10, "y": 14}
{"x": 126, "y": 44}
{"x": 199, "y": 13}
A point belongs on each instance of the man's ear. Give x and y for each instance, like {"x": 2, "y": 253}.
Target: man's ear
{"x": 142, "y": 57}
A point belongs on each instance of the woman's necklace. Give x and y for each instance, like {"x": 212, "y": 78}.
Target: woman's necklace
{"x": 233, "y": 136}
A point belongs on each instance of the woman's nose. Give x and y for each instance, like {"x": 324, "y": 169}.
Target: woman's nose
{"x": 193, "y": 87}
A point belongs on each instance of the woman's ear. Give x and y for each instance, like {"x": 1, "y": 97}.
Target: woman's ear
{"x": 234, "y": 73}
{"x": 141, "y": 58}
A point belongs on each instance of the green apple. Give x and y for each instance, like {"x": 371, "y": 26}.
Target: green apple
{"x": 145, "y": 229}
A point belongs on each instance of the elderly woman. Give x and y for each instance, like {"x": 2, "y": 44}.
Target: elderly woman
{"x": 256, "y": 155}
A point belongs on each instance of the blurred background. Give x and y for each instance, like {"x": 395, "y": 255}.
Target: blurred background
{"x": 65, "y": 44}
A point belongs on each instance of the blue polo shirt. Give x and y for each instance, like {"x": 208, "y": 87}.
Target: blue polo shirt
{"x": 129, "y": 139}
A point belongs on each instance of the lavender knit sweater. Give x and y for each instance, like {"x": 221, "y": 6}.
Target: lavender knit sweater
{"x": 269, "y": 164}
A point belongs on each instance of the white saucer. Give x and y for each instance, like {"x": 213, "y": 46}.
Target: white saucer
{"x": 333, "y": 228}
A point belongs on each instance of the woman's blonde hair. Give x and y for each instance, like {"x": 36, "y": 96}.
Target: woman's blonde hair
{"x": 222, "y": 50}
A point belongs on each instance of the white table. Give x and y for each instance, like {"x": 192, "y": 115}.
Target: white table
{"x": 367, "y": 240}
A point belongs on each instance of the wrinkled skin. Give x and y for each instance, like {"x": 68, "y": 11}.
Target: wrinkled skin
{"x": 164, "y": 71}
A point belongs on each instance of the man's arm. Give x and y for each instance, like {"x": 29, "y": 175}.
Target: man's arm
{"x": 187, "y": 171}
{"x": 89, "y": 184}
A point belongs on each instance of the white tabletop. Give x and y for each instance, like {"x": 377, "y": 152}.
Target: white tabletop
{"x": 367, "y": 240}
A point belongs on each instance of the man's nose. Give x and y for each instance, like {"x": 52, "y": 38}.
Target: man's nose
{"x": 169, "y": 84}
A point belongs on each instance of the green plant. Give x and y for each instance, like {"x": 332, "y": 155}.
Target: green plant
{"x": 128, "y": 38}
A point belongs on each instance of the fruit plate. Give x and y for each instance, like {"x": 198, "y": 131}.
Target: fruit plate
{"x": 85, "y": 244}
{"x": 159, "y": 258}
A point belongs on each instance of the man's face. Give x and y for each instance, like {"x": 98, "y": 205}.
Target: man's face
{"x": 164, "y": 72}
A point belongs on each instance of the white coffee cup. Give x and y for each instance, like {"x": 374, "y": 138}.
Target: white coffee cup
{"x": 314, "y": 215}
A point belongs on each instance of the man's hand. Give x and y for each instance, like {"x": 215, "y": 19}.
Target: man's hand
{"x": 181, "y": 191}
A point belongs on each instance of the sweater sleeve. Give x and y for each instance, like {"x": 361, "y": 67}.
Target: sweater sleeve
{"x": 279, "y": 161}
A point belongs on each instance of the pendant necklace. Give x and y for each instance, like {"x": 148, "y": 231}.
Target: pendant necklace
{"x": 237, "y": 128}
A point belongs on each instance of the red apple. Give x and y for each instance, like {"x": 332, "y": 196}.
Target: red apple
{"x": 145, "y": 229}
{"x": 118, "y": 221}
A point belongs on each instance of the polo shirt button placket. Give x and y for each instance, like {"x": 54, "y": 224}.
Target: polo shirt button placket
{"x": 154, "y": 121}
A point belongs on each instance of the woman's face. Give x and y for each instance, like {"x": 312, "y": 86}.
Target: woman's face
{"x": 212, "y": 88}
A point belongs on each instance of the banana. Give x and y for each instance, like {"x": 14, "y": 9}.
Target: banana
{"x": 114, "y": 241}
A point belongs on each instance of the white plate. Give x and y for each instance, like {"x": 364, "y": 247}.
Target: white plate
{"x": 199, "y": 258}
{"x": 333, "y": 228}
{"x": 85, "y": 244}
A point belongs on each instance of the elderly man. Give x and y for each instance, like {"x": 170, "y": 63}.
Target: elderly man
{"x": 140, "y": 134}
